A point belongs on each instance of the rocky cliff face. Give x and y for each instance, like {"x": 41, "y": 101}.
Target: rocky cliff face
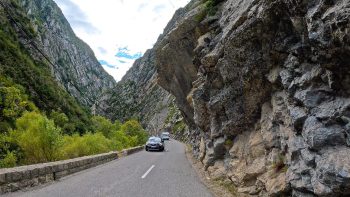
{"x": 72, "y": 61}
{"x": 264, "y": 87}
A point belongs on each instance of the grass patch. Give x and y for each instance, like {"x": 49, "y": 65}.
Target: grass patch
{"x": 227, "y": 184}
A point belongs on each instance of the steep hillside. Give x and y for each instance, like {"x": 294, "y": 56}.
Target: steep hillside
{"x": 264, "y": 87}
{"x": 48, "y": 81}
{"x": 72, "y": 62}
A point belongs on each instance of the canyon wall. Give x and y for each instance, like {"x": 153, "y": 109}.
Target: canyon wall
{"x": 264, "y": 88}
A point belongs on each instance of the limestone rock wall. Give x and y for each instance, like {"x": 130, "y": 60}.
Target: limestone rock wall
{"x": 264, "y": 88}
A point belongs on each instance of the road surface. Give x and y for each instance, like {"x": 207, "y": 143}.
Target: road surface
{"x": 146, "y": 174}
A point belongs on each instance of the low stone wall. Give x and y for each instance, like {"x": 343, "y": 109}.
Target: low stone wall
{"x": 13, "y": 179}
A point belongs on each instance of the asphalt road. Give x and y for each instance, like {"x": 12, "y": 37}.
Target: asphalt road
{"x": 146, "y": 174}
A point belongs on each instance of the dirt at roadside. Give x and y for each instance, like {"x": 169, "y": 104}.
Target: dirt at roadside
{"x": 216, "y": 188}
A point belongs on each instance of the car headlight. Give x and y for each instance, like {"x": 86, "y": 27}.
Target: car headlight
{"x": 160, "y": 144}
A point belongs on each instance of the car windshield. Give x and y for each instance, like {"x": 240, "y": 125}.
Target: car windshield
{"x": 154, "y": 139}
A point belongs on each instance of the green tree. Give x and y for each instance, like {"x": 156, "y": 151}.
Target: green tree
{"x": 13, "y": 102}
{"x": 60, "y": 119}
{"x": 103, "y": 125}
{"x": 38, "y": 137}
{"x": 133, "y": 128}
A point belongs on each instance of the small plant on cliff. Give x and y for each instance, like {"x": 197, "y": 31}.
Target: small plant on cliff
{"x": 279, "y": 164}
{"x": 228, "y": 143}
{"x": 210, "y": 9}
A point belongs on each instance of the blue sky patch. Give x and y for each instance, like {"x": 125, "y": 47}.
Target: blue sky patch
{"x": 103, "y": 62}
{"x": 124, "y": 52}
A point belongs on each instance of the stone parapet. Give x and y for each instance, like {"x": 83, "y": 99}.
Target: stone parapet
{"x": 13, "y": 179}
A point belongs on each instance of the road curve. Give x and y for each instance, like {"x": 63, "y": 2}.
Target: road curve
{"x": 146, "y": 174}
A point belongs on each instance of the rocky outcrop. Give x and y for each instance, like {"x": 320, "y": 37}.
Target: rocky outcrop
{"x": 72, "y": 61}
{"x": 264, "y": 89}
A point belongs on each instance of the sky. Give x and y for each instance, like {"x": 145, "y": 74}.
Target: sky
{"x": 119, "y": 31}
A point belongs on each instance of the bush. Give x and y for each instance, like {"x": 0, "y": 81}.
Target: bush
{"x": 120, "y": 140}
{"x": 8, "y": 161}
{"x": 88, "y": 144}
{"x": 38, "y": 138}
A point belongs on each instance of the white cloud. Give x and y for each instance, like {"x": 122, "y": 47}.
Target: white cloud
{"x": 108, "y": 25}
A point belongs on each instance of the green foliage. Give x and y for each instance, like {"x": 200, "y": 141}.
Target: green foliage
{"x": 210, "y": 6}
{"x": 228, "y": 143}
{"x": 179, "y": 127}
{"x": 9, "y": 160}
{"x": 103, "y": 125}
{"x": 59, "y": 118}
{"x": 38, "y": 138}
{"x": 88, "y": 144}
{"x": 134, "y": 129}
{"x": 210, "y": 9}
{"x": 171, "y": 112}
{"x": 13, "y": 102}
{"x": 120, "y": 140}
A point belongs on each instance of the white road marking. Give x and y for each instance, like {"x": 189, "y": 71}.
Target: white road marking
{"x": 148, "y": 171}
